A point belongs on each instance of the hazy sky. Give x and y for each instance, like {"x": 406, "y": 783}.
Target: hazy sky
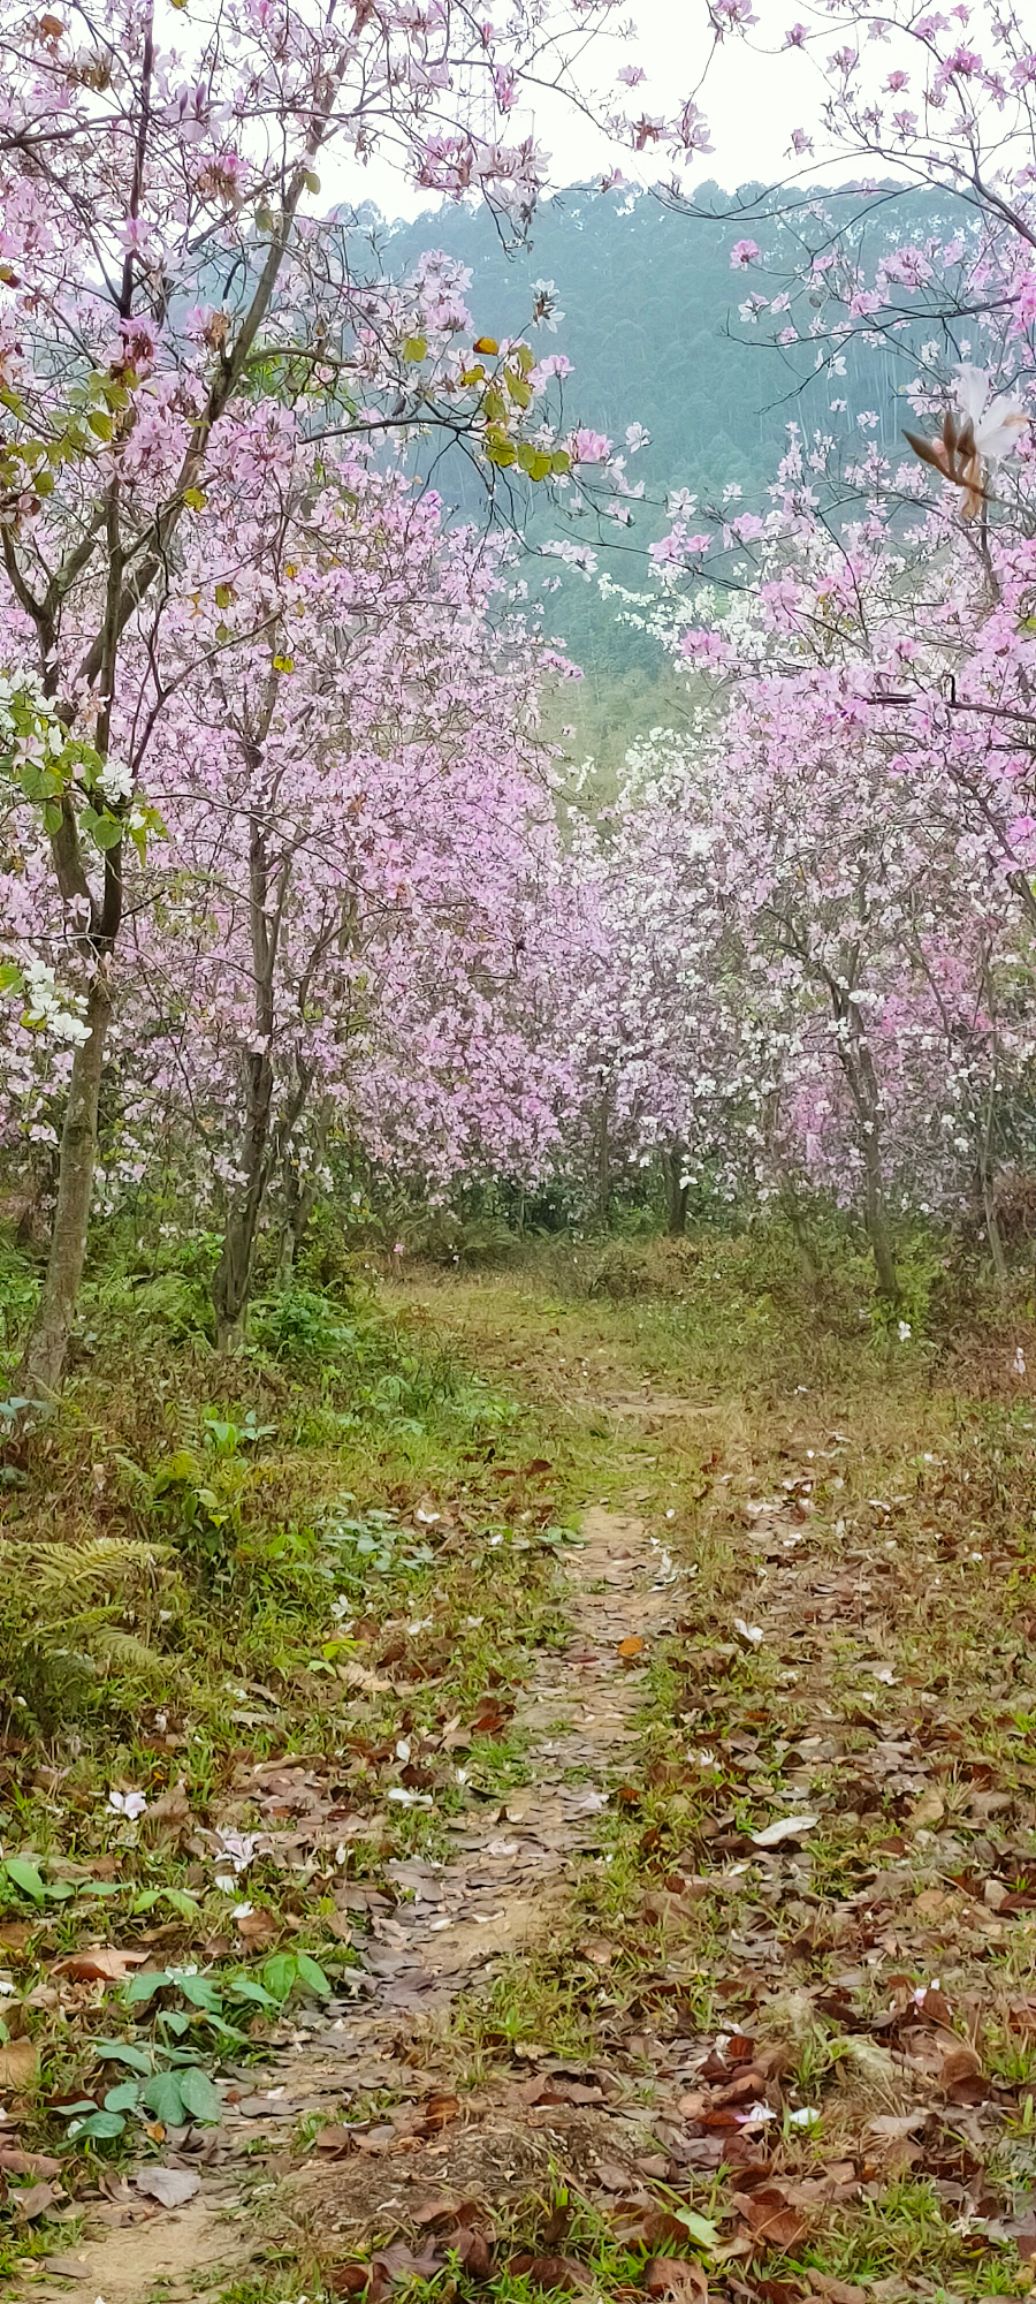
{"x": 753, "y": 97}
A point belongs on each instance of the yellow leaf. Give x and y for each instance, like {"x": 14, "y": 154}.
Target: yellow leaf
{"x": 485, "y": 344}
{"x": 19, "y": 2064}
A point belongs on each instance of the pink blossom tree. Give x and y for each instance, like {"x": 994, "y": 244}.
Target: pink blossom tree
{"x": 162, "y": 271}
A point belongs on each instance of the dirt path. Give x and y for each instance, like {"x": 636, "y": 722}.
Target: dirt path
{"x": 807, "y": 2008}
{"x": 508, "y": 1886}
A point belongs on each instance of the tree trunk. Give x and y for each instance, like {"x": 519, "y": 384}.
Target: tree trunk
{"x": 677, "y": 1191}
{"x": 44, "y": 1362}
{"x": 993, "y": 1232}
{"x": 232, "y": 1285}
{"x": 797, "y": 1226}
{"x": 875, "y": 1217}
{"x": 604, "y": 1161}
{"x": 862, "y": 1079}
{"x": 299, "y": 1203}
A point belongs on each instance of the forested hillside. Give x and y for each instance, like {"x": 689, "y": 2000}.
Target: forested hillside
{"x": 649, "y": 314}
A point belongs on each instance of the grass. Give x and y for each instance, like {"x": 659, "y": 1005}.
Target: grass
{"x": 357, "y": 1540}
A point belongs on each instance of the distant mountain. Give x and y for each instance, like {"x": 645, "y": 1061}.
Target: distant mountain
{"x": 651, "y": 324}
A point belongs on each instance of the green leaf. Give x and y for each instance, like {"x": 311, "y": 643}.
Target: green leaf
{"x": 59, "y": 1891}
{"x": 123, "y": 2052}
{"x": 141, "y": 1989}
{"x": 312, "y": 1974}
{"x": 699, "y": 2228}
{"x": 175, "y": 2021}
{"x": 561, "y": 461}
{"x": 106, "y": 830}
{"x": 162, "y": 2097}
{"x": 284, "y": 663}
{"x": 11, "y": 978}
{"x": 26, "y": 1876}
{"x": 224, "y": 595}
{"x": 200, "y": 1991}
{"x": 280, "y": 1973}
{"x": 100, "y": 423}
{"x": 195, "y": 499}
{"x": 415, "y": 348}
{"x": 247, "y": 1988}
{"x": 102, "y": 2124}
{"x": 534, "y": 461}
{"x": 180, "y": 1900}
{"x": 124, "y": 2098}
{"x": 499, "y": 449}
{"x": 200, "y": 2097}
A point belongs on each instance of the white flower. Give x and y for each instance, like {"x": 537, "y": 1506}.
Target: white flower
{"x": 237, "y": 1848}
{"x": 545, "y": 312}
{"x": 749, "y": 1632}
{"x": 1018, "y": 1363}
{"x": 131, "y": 1804}
{"x": 997, "y": 423}
{"x": 405, "y": 1799}
{"x": 904, "y": 1331}
{"x": 806, "y": 2117}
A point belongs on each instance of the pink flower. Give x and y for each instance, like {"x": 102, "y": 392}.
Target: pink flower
{"x": 743, "y": 253}
{"x": 586, "y": 447}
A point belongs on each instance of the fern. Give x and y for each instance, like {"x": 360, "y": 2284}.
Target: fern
{"x": 104, "y": 1565}
{"x": 61, "y": 1631}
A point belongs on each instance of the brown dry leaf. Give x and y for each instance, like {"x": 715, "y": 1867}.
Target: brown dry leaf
{"x": 333, "y": 2143}
{"x": 440, "y": 2208}
{"x": 15, "y": 1935}
{"x": 837, "y": 2291}
{"x": 35, "y": 2201}
{"x": 561, "y": 2272}
{"x": 633, "y": 1645}
{"x": 348, "y": 2279}
{"x": 475, "y": 2250}
{"x": 677, "y": 2278}
{"x": 962, "y": 2077}
{"x": 171, "y": 2187}
{"x": 15, "y": 2162}
{"x": 642, "y": 2223}
{"x": 437, "y": 2112}
{"x": 773, "y": 2219}
{"x": 19, "y": 2064}
{"x": 260, "y": 1928}
{"x": 100, "y": 1964}
{"x": 894, "y": 2127}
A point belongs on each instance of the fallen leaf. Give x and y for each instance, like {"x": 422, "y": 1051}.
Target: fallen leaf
{"x": 19, "y": 2064}
{"x": 962, "y": 2077}
{"x": 170, "y": 2186}
{"x": 893, "y": 2127}
{"x": 633, "y": 1645}
{"x": 436, "y": 2113}
{"x": 783, "y": 1828}
{"x": 476, "y": 2253}
{"x": 559, "y": 2272}
{"x": 773, "y": 2219}
{"x": 929, "y": 1810}
{"x": 35, "y": 2201}
{"x": 260, "y": 1928}
{"x": 100, "y": 1964}
{"x": 676, "y": 2277}
{"x": 15, "y": 2162}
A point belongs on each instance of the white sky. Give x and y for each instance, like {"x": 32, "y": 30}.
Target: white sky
{"x": 753, "y": 97}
